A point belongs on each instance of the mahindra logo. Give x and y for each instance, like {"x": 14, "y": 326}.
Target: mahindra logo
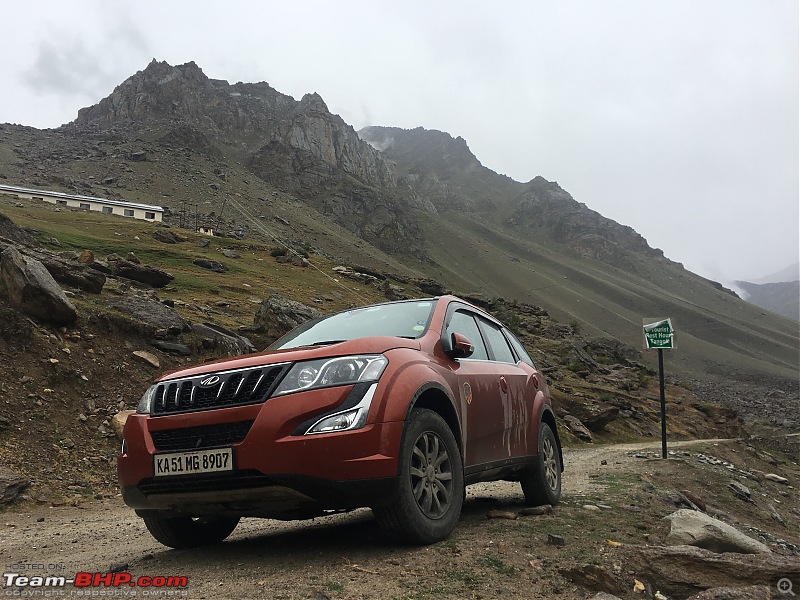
{"x": 209, "y": 381}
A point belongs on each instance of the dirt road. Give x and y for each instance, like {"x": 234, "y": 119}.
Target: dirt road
{"x": 336, "y": 557}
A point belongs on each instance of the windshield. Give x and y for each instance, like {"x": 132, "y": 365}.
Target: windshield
{"x": 398, "y": 319}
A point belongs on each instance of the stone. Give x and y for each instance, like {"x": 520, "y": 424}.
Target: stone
{"x": 172, "y": 347}
{"x": 593, "y": 577}
{"x": 680, "y": 571}
{"x": 741, "y": 491}
{"x": 141, "y": 273}
{"x": 211, "y": 265}
{"x": 555, "y": 540}
{"x": 689, "y": 527}
{"x": 151, "y": 313}
{"x": 12, "y": 484}
{"x": 544, "y": 509}
{"x": 750, "y": 592}
{"x": 227, "y": 253}
{"x": 776, "y": 478}
{"x": 502, "y": 514}
{"x": 233, "y": 343}
{"x": 577, "y": 428}
{"x": 118, "y": 421}
{"x": 167, "y": 237}
{"x": 694, "y": 499}
{"x": 33, "y": 290}
{"x": 148, "y": 357}
{"x": 278, "y": 314}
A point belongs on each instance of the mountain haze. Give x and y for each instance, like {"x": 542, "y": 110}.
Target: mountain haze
{"x": 411, "y": 202}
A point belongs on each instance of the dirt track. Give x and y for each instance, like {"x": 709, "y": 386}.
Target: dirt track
{"x": 336, "y": 557}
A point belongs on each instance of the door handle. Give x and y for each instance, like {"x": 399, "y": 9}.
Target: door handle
{"x": 503, "y": 384}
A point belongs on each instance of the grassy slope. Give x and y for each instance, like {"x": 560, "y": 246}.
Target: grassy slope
{"x": 716, "y": 332}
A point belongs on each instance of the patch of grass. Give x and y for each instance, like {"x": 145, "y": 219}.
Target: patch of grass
{"x": 498, "y": 565}
{"x": 334, "y": 586}
{"x": 466, "y": 575}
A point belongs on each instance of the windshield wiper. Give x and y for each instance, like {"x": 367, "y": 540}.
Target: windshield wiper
{"x": 327, "y": 342}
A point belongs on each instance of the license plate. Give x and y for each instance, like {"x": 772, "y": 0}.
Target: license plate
{"x": 219, "y": 460}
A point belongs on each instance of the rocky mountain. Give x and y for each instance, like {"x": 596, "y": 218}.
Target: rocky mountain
{"x": 782, "y": 297}
{"x": 414, "y": 203}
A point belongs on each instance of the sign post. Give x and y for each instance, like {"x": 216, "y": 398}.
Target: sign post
{"x": 659, "y": 335}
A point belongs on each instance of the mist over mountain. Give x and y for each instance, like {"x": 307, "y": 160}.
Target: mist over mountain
{"x": 411, "y": 202}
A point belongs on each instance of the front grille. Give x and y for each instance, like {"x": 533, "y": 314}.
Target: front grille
{"x": 205, "y": 436}
{"x": 206, "y": 483}
{"x": 216, "y": 390}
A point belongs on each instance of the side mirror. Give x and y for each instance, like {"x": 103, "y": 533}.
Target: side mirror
{"x": 459, "y": 346}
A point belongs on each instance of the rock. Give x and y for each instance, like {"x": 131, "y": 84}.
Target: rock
{"x": 430, "y": 286}
{"x": 148, "y": 357}
{"x": 167, "y": 237}
{"x": 544, "y": 509}
{"x": 12, "y": 485}
{"x": 278, "y": 314}
{"x": 133, "y": 258}
{"x": 750, "y": 592}
{"x": 119, "y": 419}
{"x": 141, "y": 273}
{"x": 591, "y": 507}
{"x": 70, "y": 272}
{"x": 577, "y": 428}
{"x": 741, "y": 491}
{"x": 86, "y": 257}
{"x": 229, "y": 253}
{"x": 502, "y": 514}
{"x": 151, "y": 313}
{"x": 689, "y": 527}
{"x": 680, "y": 571}
{"x": 203, "y": 243}
{"x": 211, "y": 265}
{"x": 117, "y": 567}
{"x": 33, "y": 290}
{"x": 593, "y": 577}
{"x": 138, "y": 156}
{"x": 596, "y": 415}
{"x": 233, "y": 343}
{"x": 555, "y": 540}
{"x": 694, "y": 499}
{"x": 604, "y": 596}
{"x": 172, "y": 347}
{"x": 776, "y": 478}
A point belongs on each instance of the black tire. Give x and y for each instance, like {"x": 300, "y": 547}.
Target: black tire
{"x": 186, "y": 532}
{"x": 431, "y": 487}
{"x": 542, "y": 483}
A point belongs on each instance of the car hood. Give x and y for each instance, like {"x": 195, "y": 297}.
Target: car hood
{"x": 368, "y": 345}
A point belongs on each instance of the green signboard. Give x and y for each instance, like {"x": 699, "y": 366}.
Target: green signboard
{"x": 659, "y": 335}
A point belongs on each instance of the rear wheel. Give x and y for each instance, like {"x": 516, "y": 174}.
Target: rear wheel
{"x": 186, "y": 532}
{"x": 542, "y": 483}
{"x": 431, "y": 489}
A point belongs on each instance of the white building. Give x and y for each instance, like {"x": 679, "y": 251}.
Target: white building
{"x": 105, "y": 205}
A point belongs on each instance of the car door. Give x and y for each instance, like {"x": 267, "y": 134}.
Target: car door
{"x": 477, "y": 381}
{"x": 512, "y": 398}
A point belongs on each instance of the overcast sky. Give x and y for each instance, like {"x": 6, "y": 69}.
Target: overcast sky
{"x": 676, "y": 117}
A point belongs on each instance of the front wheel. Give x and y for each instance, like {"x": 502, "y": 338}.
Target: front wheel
{"x": 541, "y": 484}
{"x": 186, "y": 532}
{"x": 431, "y": 488}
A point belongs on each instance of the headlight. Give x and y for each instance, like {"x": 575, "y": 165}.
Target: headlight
{"x": 329, "y": 372}
{"x": 146, "y": 401}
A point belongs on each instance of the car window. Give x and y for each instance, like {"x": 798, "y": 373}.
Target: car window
{"x": 464, "y": 323}
{"x": 519, "y": 348}
{"x": 398, "y": 319}
{"x": 497, "y": 342}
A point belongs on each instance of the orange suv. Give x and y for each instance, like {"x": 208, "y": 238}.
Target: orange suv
{"x": 395, "y": 406}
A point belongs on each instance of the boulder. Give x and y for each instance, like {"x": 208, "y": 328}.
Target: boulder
{"x": 278, "y": 314}
{"x": 749, "y": 592}
{"x": 11, "y": 485}
{"x": 577, "y": 428}
{"x": 70, "y": 272}
{"x": 693, "y": 528}
{"x": 33, "y": 290}
{"x": 172, "y": 347}
{"x": 233, "y": 343}
{"x": 141, "y": 273}
{"x": 680, "y": 571}
{"x": 167, "y": 237}
{"x": 153, "y": 315}
{"x": 211, "y": 265}
{"x": 148, "y": 357}
{"x": 118, "y": 421}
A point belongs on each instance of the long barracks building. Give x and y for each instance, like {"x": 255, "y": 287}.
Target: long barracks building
{"x": 105, "y": 205}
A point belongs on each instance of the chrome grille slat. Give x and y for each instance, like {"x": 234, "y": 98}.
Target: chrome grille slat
{"x": 234, "y": 388}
